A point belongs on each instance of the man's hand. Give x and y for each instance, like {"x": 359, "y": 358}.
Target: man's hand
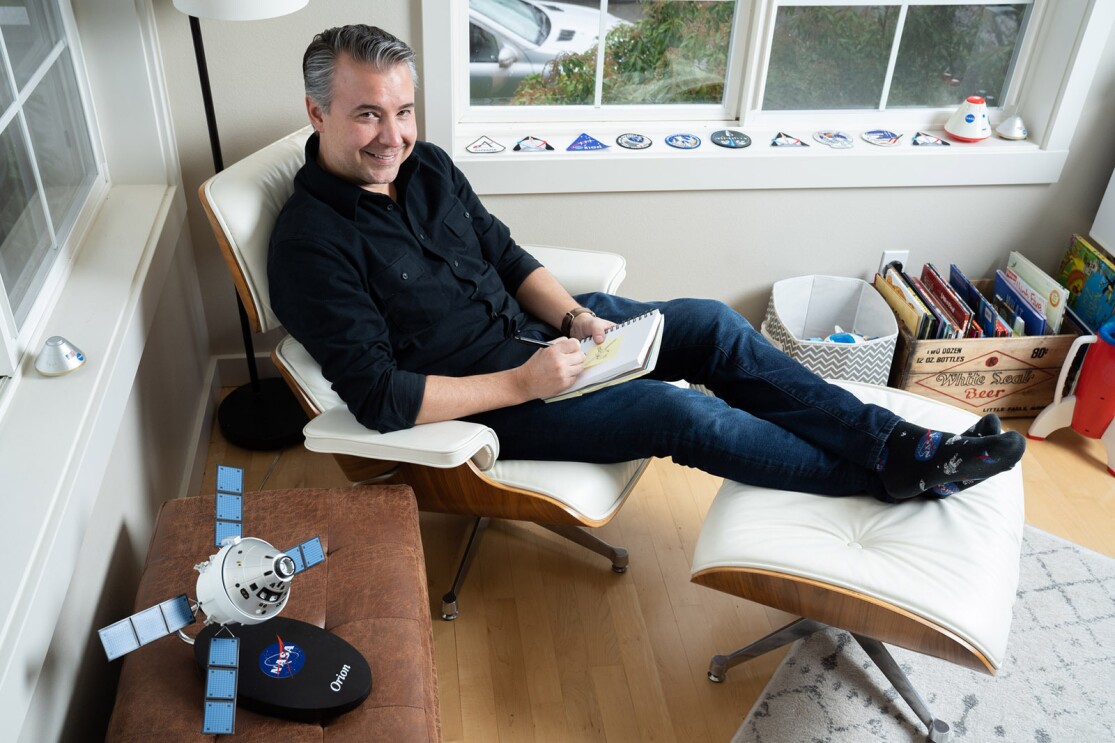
{"x": 551, "y": 370}
{"x": 586, "y": 325}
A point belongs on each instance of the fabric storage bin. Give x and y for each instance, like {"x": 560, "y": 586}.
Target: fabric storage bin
{"x": 813, "y": 306}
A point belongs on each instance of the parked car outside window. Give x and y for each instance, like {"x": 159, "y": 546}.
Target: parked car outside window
{"x": 511, "y": 39}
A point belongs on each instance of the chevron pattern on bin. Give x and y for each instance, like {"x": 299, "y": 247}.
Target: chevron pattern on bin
{"x": 867, "y": 362}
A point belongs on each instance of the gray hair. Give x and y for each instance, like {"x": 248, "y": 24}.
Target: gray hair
{"x": 365, "y": 44}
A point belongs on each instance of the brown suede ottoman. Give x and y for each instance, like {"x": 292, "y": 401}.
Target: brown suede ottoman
{"x": 371, "y": 592}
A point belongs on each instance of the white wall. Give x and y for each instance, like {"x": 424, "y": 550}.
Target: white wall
{"x": 734, "y": 243}
{"x": 151, "y": 461}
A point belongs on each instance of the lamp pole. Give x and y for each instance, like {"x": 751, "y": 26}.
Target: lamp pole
{"x": 262, "y": 415}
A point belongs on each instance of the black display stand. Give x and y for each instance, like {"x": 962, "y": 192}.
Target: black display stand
{"x": 293, "y": 670}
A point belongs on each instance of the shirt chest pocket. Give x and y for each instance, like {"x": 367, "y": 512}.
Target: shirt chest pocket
{"x": 458, "y": 223}
{"x": 410, "y": 295}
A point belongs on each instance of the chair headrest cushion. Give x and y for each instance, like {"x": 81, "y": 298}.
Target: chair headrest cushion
{"x": 245, "y": 199}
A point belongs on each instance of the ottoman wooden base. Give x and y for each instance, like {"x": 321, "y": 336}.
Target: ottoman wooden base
{"x": 371, "y": 592}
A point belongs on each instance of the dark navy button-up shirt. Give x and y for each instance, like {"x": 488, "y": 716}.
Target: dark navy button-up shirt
{"x": 382, "y": 293}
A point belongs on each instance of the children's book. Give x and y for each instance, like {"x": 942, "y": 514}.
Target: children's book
{"x": 945, "y": 327}
{"x": 953, "y": 303}
{"x": 1030, "y": 294}
{"x": 987, "y": 319}
{"x": 629, "y": 350}
{"x": 927, "y": 325}
{"x": 908, "y": 314}
{"x": 1033, "y": 320}
{"x": 1089, "y": 274}
{"x": 1039, "y": 284}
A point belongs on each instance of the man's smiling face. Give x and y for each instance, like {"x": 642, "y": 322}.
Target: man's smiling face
{"x": 369, "y": 129}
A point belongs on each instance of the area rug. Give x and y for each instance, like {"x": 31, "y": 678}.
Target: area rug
{"x": 1057, "y": 683}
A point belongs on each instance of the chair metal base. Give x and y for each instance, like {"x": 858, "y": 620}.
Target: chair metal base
{"x": 449, "y": 608}
{"x": 938, "y": 730}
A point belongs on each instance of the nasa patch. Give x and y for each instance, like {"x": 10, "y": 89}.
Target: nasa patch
{"x": 684, "y": 141}
{"x": 730, "y": 138}
{"x": 532, "y": 144}
{"x": 633, "y": 141}
{"x": 485, "y": 146}
{"x": 586, "y": 142}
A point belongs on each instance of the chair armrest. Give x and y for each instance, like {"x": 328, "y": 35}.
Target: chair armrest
{"x": 582, "y": 271}
{"x": 444, "y": 445}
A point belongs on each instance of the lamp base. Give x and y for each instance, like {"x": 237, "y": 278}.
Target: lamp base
{"x": 262, "y": 420}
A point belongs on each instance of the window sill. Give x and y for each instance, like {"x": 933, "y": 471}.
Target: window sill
{"x": 56, "y": 434}
{"x": 994, "y": 161}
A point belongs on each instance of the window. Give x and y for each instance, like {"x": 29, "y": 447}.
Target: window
{"x": 592, "y": 53}
{"x": 670, "y": 52}
{"x": 47, "y": 166}
{"x": 889, "y": 56}
{"x": 662, "y": 67}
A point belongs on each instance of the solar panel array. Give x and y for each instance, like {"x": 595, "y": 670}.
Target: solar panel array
{"x": 230, "y": 506}
{"x": 306, "y": 555}
{"x": 146, "y": 626}
{"x": 220, "y": 686}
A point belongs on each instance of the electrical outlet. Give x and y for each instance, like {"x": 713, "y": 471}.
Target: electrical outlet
{"x": 902, "y": 256}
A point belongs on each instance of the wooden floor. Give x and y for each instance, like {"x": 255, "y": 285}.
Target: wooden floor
{"x": 551, "y": 645}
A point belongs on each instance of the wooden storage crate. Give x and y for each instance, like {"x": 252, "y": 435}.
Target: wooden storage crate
{"x": 1011, "y": 377}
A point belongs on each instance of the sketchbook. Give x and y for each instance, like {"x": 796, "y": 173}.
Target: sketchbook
{"x": 629, "y": 350}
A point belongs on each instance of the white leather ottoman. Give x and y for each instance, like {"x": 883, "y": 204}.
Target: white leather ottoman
{"x": 935, "y": 576}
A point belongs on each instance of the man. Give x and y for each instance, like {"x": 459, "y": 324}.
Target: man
{"x": 390, "y": 271}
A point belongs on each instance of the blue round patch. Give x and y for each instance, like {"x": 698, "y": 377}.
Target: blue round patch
{"x": 282, "y": 661}
{"x": 684, "y": 141}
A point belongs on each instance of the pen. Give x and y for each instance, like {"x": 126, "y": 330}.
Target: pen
{"x": 532, "y": 342}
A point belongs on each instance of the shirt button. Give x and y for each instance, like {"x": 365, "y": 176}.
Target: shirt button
{"x": 390, "y": 207}
{"x": 468, "y": 216}
{"x": 421, "y": 236}
{"x": 456, "y": 263}
{"x": 405, "y": 277}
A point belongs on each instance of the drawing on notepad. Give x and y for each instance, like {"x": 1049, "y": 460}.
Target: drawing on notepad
{"x": 604, "y": 352}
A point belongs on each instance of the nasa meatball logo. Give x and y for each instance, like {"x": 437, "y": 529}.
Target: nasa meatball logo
{"x": 281, "y": 659}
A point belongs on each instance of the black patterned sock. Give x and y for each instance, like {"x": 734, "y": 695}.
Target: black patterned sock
{"x": 917, "y": 459}
{"x": 988, "y": 425}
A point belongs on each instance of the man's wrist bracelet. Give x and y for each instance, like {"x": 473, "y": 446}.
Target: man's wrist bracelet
{"x": 567, "y": 321}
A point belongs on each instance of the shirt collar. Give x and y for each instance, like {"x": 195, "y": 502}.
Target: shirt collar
{"x": 342, "y": 196}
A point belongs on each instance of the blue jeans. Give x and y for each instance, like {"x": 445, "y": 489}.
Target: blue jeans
{"x": 773, "y": 423}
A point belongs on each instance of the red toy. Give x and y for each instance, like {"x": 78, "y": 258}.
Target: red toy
{"x": 1091, "y": 407}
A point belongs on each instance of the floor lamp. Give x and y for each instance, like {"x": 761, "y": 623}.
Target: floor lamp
{"x": 263, "y": 414}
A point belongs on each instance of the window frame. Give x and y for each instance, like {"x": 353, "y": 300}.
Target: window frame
{"x": 1055, "y": 70}
{"x": 15, "y": 341}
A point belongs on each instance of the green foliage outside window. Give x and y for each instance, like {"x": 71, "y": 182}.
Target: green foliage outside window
{"x": 837, "y": 57}
{"x": 677, "y": 53}
{"x": 951, "y": 52}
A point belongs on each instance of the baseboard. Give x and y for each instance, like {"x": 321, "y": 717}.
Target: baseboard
{"x": 232, "y": 370}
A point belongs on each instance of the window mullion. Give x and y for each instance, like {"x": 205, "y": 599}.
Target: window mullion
{"x": 601, "y": 43}
{"x": 763, "y": 40}
{"x": 895, "y": 43}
